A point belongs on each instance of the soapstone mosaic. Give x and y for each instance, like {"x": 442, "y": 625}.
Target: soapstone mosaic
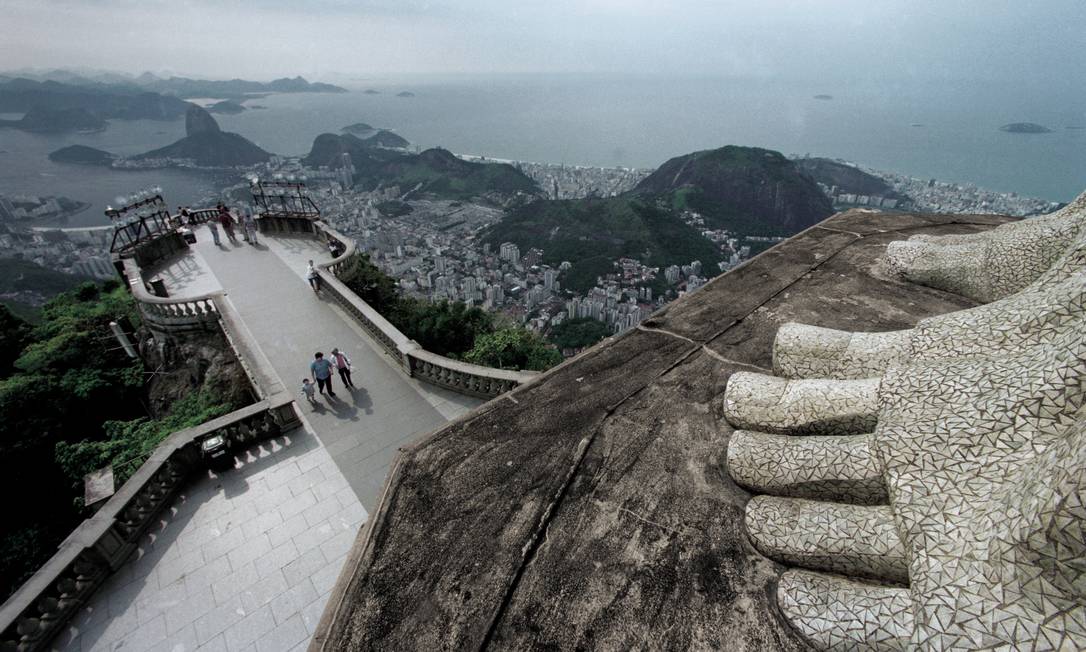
{"x": 978, "y": 440}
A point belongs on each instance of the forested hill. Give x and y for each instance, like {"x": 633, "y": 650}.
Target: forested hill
{"x": 592, "y": 233}
{"x": 847, "y": 178}
{"x": 748, "y": 190}
{"x": 433, "y": 172}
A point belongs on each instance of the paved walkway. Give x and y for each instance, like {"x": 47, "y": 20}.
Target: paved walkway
{"x": 362, "y": 429}
{"x": 247, "y": 560}
{"x": 241, "y": 561}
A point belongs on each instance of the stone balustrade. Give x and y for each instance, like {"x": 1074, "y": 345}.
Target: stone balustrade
{"x": 41, "y": 607}
{"x": 461, "y": 377}
{"x": 170, "y": 314}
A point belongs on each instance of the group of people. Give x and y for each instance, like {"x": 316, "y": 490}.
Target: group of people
{"x": 320, "y": 374}
{"x": 228, "y": 221}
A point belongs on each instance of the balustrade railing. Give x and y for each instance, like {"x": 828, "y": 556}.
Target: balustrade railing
{"x": 462, "y": 377}
{"x": 171, "y": 314}
{"x": 41, "y": 607}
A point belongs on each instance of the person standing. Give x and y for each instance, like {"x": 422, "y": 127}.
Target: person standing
{"x": 343, "y": 365}
{"x": 227, "y": 223}
{"x": 250, "y": 225}
{"x": 321, "y": 370}
{"x": 214, "y": 228}
{"x": 313, "y": 277}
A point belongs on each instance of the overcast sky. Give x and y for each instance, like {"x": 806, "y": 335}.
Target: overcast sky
{"x": 840, "y": 39}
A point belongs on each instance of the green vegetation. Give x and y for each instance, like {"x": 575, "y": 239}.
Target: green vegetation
{"x": 578, "y": 333}
{"x": 129, "y": 443}
{"x": 70, "y": 402}
{"x": 17, "y": 275}
{"x": 446, "y": 328}
{"x": 513, "y": 348}
{"x": 592, "y": 233}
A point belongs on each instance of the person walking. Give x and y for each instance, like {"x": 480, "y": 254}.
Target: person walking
{"x": 313, "y": 277}
{"x": 343, "y": 365}
{"x": 321, "y": 370}
{"x": 227, "y": 223}
{"x": 214, "y": 228}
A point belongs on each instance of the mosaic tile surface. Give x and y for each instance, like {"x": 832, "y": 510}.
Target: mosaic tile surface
{"x": 766, "y": 403}
{"x": 993, "y": 264}
{"x": 981, "y": 445}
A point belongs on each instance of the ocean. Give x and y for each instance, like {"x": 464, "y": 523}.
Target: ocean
{"x": 943, "y": 130}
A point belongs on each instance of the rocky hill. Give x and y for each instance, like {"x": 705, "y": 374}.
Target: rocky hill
{"x": 847, "y": 178}
{"x": 746, "y": 189}
{"x": 433, "y": 172}
{"x": 592, "y": 233}
{"x": 208, "y": 145}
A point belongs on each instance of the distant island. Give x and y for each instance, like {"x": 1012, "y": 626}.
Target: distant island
{"x": 370, "y": 91}
{"x": 1025, "y": 128}
{"x": 1075, "y": 127}
{"x": 206, "y": 145}
{"x": 358, "y": 128}
{"x": 822, "y": 96}
{"x": 82, "y": 155}
{"x": 405, "y": 94}
{"x": 226, "y": 106}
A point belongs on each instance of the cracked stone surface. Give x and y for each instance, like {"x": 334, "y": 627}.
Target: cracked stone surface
{"x": 593, "y": 508}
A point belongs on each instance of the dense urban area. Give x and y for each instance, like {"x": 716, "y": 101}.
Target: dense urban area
{"x": 431, "y": 248}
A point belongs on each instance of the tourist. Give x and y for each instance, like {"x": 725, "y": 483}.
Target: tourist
{"x": 249, "y": 223}
{"x": 313, "y": 277}
{"x": 307, "y": 389}
{"x": 343, "y": 365}
{"x": 321, "y": 370}
{"x": 335, "y": 248}
{"x": 214, "y": 228}
{"x": 227, "y": 223}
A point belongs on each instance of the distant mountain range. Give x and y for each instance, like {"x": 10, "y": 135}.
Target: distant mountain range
{"x": 208, "y": 145}
{"x": 42, "y": 120}
{"x": 183, "y": 87}
{"x": 26, "y": 96}
{"x": 745, "y": 190}
{"x": 63, "y": 101}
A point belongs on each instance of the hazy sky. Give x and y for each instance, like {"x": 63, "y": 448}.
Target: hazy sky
{"x": 261, "y": 39}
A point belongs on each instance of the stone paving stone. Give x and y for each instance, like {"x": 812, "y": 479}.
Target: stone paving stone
{"x": 290, "y": 528}
{"x": 143, "y": 637}
{"x": 285, "y": 636}
{"x": 290, "y": 603}
{"x": 249, "y": 629}
{"x": 304, "y": 566}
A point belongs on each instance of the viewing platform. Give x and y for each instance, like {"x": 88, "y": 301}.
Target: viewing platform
{"x": 245, "y": 559}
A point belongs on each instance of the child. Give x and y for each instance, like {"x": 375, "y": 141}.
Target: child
{"x": 307, "y": 389}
